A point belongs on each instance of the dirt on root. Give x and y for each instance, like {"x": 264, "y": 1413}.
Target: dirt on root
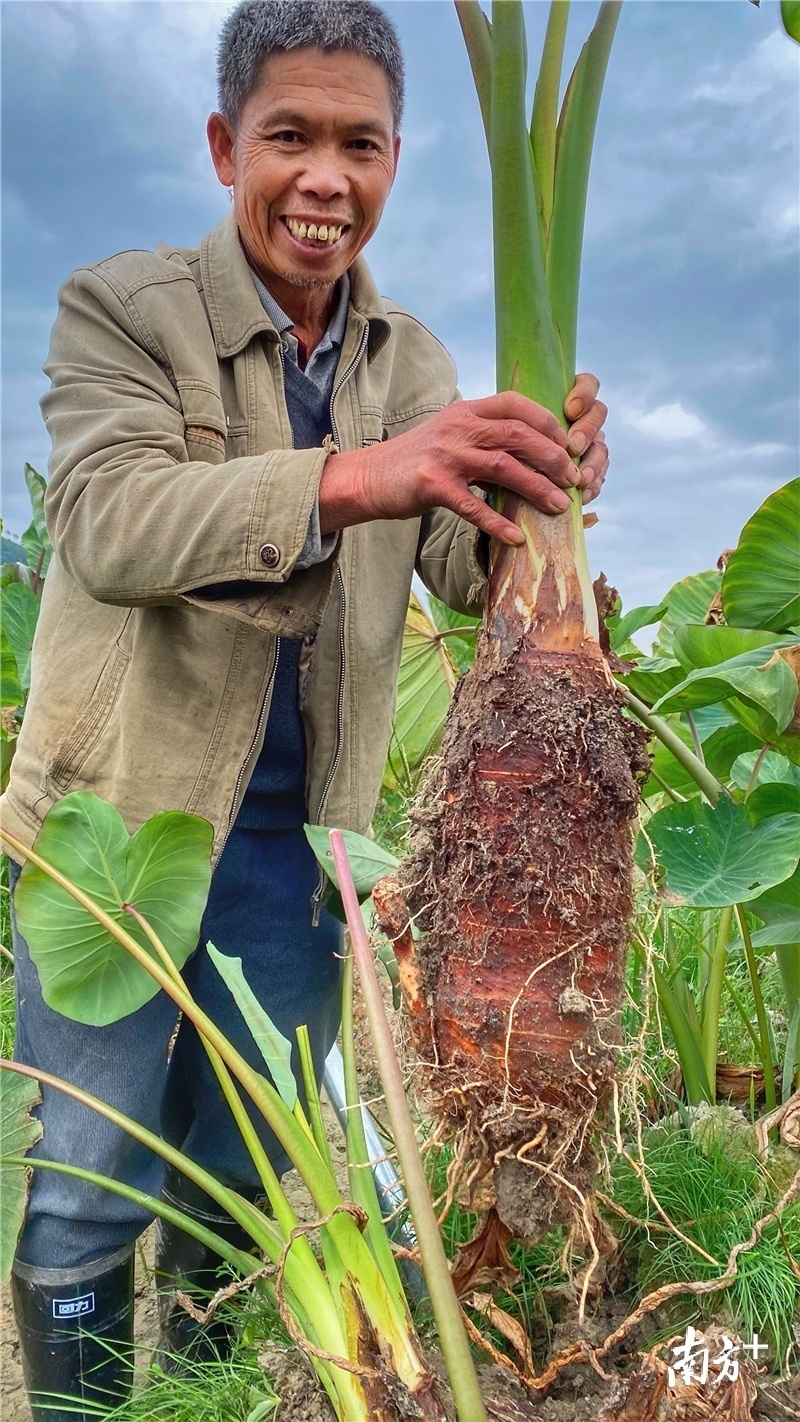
{"x": 520, "y": 878}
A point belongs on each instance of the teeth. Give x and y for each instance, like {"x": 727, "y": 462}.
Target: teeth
{"x": 323, "y": 233}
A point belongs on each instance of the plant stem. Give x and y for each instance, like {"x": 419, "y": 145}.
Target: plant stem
{"x": 710, "y": 786}
{"x": 710, "y": 1028}
{"x": 753, "y": 781}
{"x": 446, "y": 1308}
{"x": 698, "y": 744}
{"x": 765, "y": 1052}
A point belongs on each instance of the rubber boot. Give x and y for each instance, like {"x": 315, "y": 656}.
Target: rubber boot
{"x": 76, "y": 1335}
{"x": 182, "y": 1262}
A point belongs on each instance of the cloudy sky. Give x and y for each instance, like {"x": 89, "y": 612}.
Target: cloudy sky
{"x": 690, "y": 305}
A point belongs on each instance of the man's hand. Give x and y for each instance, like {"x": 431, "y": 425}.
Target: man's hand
{"x": 504, "y": 439}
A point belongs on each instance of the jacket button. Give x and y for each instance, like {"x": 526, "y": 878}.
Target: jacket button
{"x": 270, "y": 555}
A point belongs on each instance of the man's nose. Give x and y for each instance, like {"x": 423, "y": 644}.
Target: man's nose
{"x": 322, "y": 176}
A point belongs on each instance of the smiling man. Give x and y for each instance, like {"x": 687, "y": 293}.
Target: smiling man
{"x": 252, "y": 453}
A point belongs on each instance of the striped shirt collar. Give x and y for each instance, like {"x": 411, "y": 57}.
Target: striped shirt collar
{"x": 334, "y": 336}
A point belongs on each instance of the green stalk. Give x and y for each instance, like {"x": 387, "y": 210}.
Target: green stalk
{"x": 710, "y": 1028}
{"x": 375, "y": 1295}
{"x": 788, "y": 958}
{"x": 710, "y": 786}
{"x": 529, "y": 357}
{"x": 677, "y": 1006}
{"x": 791, "y": 1055}
{"x": 362, "y": 1181}
{"x": 764, "y": 1052}
{"x": 544, "y": 123}
{"x": 477, "y": 33}
{"x": 446, "y": 1308}
{"x": 312, "y": 1096}
{"x": 575, "y": 139}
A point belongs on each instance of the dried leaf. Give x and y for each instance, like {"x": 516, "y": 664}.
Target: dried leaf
{"x": 485, "y": 1258}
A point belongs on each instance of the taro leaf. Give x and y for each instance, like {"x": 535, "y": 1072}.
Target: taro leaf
{"x": 773, "y": 799}
{"x": 696, "y": 646}
{"x": 779, "y": 909}
{"x": 772, "y": 769}
{"x": 725, "y": 746}
{"x": 8, "y": 745}
{"x": 16, "y": 573}
{"x": 163, "y": 870}
{"x": 708, "y": 719}
{"x": 688, "y": 601}
{"x": 755, "y": 721}
{"x": 36, "y": 540}
{"x": 653, "y": 677}
{"x": 761, "y": 586}
{"x": 20, "y": 615}
{"x": 772, "y": 688}
{"x": 713, "y": 856}
{"x": 18, "y": 1132}
{"x": 273, "y": 1046}
{"x": 368, "y": 862}
{"x": 790, "y": 14}
{"x": 461, "y": 633}
{"x": 425, "y": 682}
{"x": 622, "y": 628}
{"x": 10, "y": 684}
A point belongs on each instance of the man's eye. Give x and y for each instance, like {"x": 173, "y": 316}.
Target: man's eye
{"x": 286, "y": 135}
{"x": 363, "y": 144}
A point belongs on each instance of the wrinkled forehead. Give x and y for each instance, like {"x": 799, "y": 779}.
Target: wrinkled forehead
{"x": 341, "y": 88}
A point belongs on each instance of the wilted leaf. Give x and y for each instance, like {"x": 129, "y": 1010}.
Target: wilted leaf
{"x": 163, "y": 870}
{"x": 713, "y": 856}
{"x": 18, "y": 1132}
{"x": 761, "y": 586}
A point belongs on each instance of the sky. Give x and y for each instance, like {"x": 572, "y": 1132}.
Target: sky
{"x": 690, "y": 300}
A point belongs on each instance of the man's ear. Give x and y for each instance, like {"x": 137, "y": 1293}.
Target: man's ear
{"x": 220, "y": 142}
{"x": 396, "y": 145}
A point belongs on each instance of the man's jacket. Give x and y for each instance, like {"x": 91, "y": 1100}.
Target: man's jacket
{"x": 178, "y": 508}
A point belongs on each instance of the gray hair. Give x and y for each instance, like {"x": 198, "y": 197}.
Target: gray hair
{"x": 258, "y": 28}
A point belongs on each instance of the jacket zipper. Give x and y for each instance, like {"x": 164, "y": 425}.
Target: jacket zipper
{"x": 339, "y": 741}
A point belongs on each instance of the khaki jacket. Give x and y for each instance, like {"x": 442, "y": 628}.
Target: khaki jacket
{"x": 177, "y": 508}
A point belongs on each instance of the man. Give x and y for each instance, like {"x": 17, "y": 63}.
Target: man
{"x": 252, "y": 452}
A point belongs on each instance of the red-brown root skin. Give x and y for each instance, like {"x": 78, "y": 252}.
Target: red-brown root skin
{"x": 521, "y": 878}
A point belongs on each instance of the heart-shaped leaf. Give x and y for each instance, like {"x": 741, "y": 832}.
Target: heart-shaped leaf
{"x": 713, "y": 855}
{"x": 779, "y": 909}
{"x": 20, "y": 615}
{"x": 461, "y": 632}
{"x": 273, "y": 1046}
{"x": 163, "y": 870}
{"x": 18, "y": 1132}
{"x": 775, "y": 798}
{"x": 725, "y": 746}
{"x": 761, "y": 586}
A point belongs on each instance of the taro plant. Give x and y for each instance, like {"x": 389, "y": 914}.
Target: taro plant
{"x": 21, "y": 585}
{"x": 110, "y": 919}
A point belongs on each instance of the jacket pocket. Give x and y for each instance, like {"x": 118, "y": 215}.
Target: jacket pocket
{"x": 89, "y": 724}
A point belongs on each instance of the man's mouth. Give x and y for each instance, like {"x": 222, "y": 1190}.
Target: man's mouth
{"x": 313, "y": 234}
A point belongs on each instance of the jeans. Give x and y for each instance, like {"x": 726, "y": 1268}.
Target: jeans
{"x": 259, "y": 910}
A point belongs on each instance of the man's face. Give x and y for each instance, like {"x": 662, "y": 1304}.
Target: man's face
{"x": 315, "y": 145}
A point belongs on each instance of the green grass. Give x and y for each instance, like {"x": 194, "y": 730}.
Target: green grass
{"x": 713, "y": 1188}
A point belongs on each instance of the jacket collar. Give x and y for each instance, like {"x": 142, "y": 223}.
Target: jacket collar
{"x": 234, "y": 308}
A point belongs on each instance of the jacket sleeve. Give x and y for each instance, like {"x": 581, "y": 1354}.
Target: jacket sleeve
{"x": 144, "y": 508}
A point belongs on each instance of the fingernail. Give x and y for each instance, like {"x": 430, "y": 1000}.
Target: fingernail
{"x": 577, "y": 442}
{"x": 575, "y": 476}
{"x": 560, "y": 504}
{"x": 574, "y": 407}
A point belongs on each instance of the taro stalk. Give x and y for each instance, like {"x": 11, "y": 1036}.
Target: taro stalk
{"x": 521, "y": 870}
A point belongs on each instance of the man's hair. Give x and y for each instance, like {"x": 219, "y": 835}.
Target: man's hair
{"x": 258, "y": 28}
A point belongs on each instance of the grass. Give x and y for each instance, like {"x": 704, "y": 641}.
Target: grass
{"x": 711, "y": 1185}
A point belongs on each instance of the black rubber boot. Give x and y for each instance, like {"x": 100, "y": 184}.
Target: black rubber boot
{"x": 182, "y": 1262}
{"x": 76, "y": 1335}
